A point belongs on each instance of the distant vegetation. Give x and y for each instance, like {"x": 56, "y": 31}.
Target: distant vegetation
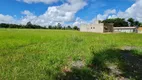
{"x": 29, "y": 25}
{"x": 121, "y": 22}
{"x": 118, "y": 22}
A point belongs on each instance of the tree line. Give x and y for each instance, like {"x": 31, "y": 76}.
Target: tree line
{"x": 118, "y": 22}
{"x": 121, "y": 22}
{"x": 29, "y": 25}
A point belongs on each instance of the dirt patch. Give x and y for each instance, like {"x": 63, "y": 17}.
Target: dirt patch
{"x": 133, "y": 63}
{"x": 114, "y": 64}
{"x": 78, "y": 64}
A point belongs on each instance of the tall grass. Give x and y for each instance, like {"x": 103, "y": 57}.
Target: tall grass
{"x": 42, "y": 54}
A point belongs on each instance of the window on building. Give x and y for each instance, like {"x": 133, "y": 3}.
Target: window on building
{"x": 93, "y": 27}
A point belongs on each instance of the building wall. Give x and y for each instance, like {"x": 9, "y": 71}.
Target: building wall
{"x": 101, "y": 28}
{"x": 125, "y": 29}
{"x": 84, "y": 28}
{"x": 139, "y": 31}
{"x": 108, "y": 27}
{"x": 98, "y": 28}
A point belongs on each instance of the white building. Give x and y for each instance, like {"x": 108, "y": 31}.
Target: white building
{"x": 92, "y": 28}
{"x": 139, "y": 30}
{"x": 101, "y": 28}
{"x": 97, "y": 27}
{"x": 124, "y": 29}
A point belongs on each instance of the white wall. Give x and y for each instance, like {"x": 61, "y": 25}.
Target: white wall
{"x": 139, "y": 31}
{"x": 98, "y": 28}
{"x": 124, "y": 30}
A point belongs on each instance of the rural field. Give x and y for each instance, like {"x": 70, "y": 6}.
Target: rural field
{"x": 28, "y": 54}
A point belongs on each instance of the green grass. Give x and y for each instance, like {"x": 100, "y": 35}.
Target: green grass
{"x": 43, "y": 54}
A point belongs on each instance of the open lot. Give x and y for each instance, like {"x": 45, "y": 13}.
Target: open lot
{"x": 69, "y": 55}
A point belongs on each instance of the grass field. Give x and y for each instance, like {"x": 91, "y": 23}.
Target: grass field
{"x": 69, "y": 55}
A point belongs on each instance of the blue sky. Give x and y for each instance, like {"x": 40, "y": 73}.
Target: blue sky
{"x": 95, "y": 7}
{"x": 72, "y": 12}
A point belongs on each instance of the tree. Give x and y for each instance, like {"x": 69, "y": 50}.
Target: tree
{"x": 49, "y": 27}
{"x": 29, "y": 25}
{"x": 75, "y": 28}
{"x": 131, "y": 21}
{"x": 54, "y": 27}
{"x": 141, "y": 24}
{"x": 64, "y": 28}
{"x": 100, "y": 21}
{"x": 4, "y": 25}
{"x": 37, "y": 27}
{"x": 69, "y": 27}
{"x": 137, "y": 23}
{"x": 59, "y": 26}
{"x": 118, "y": 22}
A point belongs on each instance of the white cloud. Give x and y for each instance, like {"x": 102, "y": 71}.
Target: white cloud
{"x": 79, "y": 21}
{"x": 110, "y": 11}
{"x": 105, "y": 15}
{"x": 6, "y": 19}
{"x": 55, "y": 14}
{"x": 66, "y": 13}
{"x": 134, "y": 11}
{"x": 28, "y": 17}
{"x": 37, "y": 1}
{"x": 112, "y": 16}
{"x": 26, "y": 12}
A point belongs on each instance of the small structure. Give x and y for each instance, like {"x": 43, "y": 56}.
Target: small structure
{"x": 97, "y": 27}
{"x": 125, "y": 29}
{"x": 139, "y": 30}
{"x": 107, "y": 27}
